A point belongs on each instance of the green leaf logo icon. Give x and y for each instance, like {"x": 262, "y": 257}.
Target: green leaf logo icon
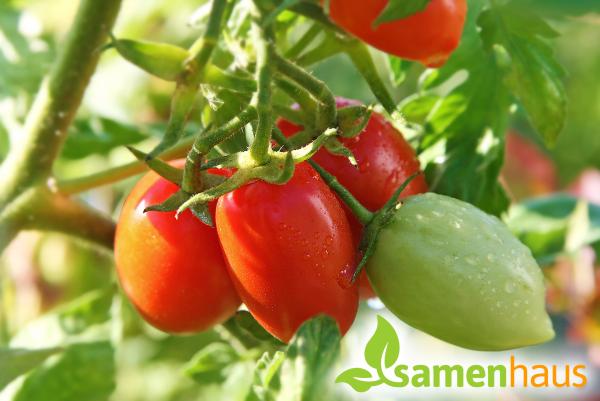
{"x": 382, "y": 351}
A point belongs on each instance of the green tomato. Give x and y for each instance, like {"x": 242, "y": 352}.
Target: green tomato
{"x": 447, "y": 268}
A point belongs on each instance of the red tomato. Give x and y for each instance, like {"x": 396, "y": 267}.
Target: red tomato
{"x": 429, "y": 36}
{"x": 172, "y": 270}
{"x": 385, "y": 160}
{"x": 290, "y": 252}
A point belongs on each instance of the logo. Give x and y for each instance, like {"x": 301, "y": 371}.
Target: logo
{"x": 382, "y": 355}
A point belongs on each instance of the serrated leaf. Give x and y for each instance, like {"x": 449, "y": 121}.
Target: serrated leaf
{"x": 165, "y": 170}
{"x": 310, "y": 355}
{"x": 383, "y": 347}
{"x": 400, "y": 9}
{"x": 532, "y": 75}
{"x": 83, "y": 372}
{"x": 210, "y": 365}
{"x": 359, "y": 379}
{"x": 16, "y": 361}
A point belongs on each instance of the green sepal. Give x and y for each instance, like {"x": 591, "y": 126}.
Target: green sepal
{"x": 381, "y": 218}
{"x": 162, "y": 60}
{"x": 202, "y": 212}
{"x": 171, "y": 204}
{"x": 334, "y": 146}
{"x": 352, "y": 120}
{"x": 161, "y": 168}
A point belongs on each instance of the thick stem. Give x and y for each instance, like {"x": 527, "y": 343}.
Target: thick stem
{"x": 58, "y": 99}
{"x": 259, "y": 150}
{"x": 54, "y": 212}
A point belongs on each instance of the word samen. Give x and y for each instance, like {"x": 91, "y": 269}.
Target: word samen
{"x": 512, "y": 375}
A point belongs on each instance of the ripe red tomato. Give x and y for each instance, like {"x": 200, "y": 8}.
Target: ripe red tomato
{"x": 429, "y": 36}
{"x": 172, "y": 270}
{"x": 290, "y": 252}
{"x": 385, "y": 160}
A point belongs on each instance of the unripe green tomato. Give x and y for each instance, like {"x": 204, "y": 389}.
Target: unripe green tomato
{"x": 449, "y": 269}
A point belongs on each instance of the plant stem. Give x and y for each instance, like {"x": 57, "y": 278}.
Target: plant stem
{"x": 259, "y": 150}
{"x": 26, "y": 171}
{"x": 30, "y": 160}
{"x": 327, "y": 113}
{"x": 201, "y": 53}
{"x": 82, "y": 184}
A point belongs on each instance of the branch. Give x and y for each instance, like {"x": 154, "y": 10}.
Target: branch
{"x": 28, "y": 166}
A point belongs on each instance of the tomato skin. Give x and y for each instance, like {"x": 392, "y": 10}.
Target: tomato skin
{"x": 450, "y": 270}
{"x": 385, "y": 160}
{"x": 172, "y": 270}
{"x": 290, "y": 252}
{"x": 429, "y": 36}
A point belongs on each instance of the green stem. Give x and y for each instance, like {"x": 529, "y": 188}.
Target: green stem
{"x": 300, "y": 95}
{"x": 111, "y": 175}
{"x": 30, "y": 160}
{"x": 327, "y": 115}
{"x": 201, "y": 53}
{"x": 26, "y": 171}
{"x": 202, "y": 50}
{"x": 259, "y": 149}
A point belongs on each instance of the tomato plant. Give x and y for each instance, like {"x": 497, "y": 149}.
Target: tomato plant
{"x": 262, "y": 267}
{"x": 290, "y": 251}
{"x": 171, "y": 269}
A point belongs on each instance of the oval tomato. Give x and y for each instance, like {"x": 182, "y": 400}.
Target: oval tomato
{"x": 385, "y": 160}
{"x": 429, "y": 36}
{"x": 457, "y": 273}
{"x": 172, "y": 270}
{"x": 290, "y": 252}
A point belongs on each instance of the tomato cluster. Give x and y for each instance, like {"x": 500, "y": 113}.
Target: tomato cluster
{"x": 287, "y": 252}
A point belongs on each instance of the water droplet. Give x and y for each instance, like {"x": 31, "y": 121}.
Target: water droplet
{"x": 510, "y": 287}
{"x": 419, "y": 216}
{"x": 437, "y": 214}
{"x": 456, "y": 224}
{"x": 472, "y": 260}
{"x": 344, "y": 277}
{"x": 490, "y": 257}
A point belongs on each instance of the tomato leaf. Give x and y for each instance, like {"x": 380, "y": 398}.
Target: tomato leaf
{"x": 84, "y": 371}
{"x": 246, "y": 322}
{"x": 399, "y": 9}
{"x": 210, "y": 365}
{"x": 531, "y": 72}
{"x": 310, "y": 356}
{"x": 463, "y": 109}
{"x": 16, "y": 362}
{"x": 266, "y": 373}
{"x": 359, "y": 379}
{"x": 384, "y": 346}
{"x": 543, "y": 225}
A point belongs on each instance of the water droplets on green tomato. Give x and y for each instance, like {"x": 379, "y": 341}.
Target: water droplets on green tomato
{"x": 451, "y": 270}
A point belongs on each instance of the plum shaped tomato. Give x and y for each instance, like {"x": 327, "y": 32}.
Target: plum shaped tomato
{"x": 457, "y": 273}
{"x": 385, "y": 160}
{"x": 172, "y": 270}
{"x": 290, "y": 252}
{"x": 429, "y": 36}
